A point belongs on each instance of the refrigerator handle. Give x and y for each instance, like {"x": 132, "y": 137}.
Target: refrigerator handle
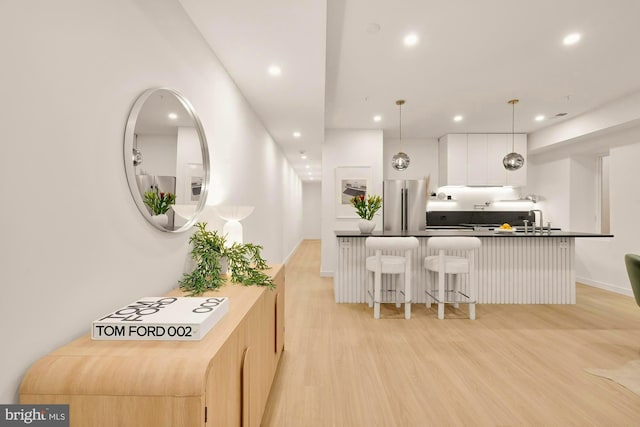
{"x": 405, "y": 206}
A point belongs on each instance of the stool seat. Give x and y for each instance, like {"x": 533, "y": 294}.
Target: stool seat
{"x": 380, "y": 264}
{"x": 391, "y": 264}
{"x": 452, "y": 264}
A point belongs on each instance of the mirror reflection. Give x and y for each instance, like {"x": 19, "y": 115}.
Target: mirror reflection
{"x": 166, "y": 159}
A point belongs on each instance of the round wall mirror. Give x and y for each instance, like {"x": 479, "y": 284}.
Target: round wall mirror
{"x": 166, "y": 159}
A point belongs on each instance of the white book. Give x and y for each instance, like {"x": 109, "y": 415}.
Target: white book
{"x": 162, "y": 318}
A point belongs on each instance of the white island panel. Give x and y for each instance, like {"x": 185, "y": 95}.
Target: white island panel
{"x": 509, "y": 270}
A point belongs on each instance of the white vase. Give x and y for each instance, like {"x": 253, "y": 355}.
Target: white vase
{"x": 366, "y": 226}
{"x": 161, "y": 220}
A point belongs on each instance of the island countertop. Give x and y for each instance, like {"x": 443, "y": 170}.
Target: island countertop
{"x": 467, "y": 232}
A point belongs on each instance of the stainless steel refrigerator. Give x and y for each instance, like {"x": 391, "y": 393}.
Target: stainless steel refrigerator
{"x": 404, "y": 205}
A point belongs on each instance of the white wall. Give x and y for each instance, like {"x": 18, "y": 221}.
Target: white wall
{"x": 600, "y": 262}
{"x": 346, "y": 148}
{"x": 312, "y": 210}
{"x": 188, "y": 156}
{"x": 158, "y": 155}
{"x": 423, "y": 155}
{"x": 583, "y": 175}
{"x": 567, "y": 179}
{"x": 74, "y": 245}
{"x": 551, "y": 180}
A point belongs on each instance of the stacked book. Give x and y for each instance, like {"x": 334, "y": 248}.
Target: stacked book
{"x": 162, "y": 318}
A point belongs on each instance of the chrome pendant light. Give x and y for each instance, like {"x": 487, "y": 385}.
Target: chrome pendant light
{"x": 400, "y": 161}
{"x": 513, "y": 161}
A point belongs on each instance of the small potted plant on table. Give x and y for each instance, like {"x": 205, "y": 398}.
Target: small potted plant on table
{"x": 366, "y": 207}
{"x": 159, "y": 204}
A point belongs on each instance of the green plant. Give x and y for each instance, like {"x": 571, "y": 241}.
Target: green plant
{"x": 159, "y": 202}
{"x": 367, "y": 208}
{"x": 244, "y": 261}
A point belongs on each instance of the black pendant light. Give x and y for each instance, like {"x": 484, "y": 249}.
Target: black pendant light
{"x": 400, "y": 161}
{"x": 513, "y": 161}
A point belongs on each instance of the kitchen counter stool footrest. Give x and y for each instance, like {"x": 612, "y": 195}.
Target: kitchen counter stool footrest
{"x": 462, "y": 299}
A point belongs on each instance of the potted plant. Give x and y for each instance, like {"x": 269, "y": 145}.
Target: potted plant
{"x": 211, "y": 256}
{"x": 366, "y": 209}
{"x": 159, "y": 204}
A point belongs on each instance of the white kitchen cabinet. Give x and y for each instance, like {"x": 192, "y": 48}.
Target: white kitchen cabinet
{"x": 477, "y": 166}
{"x": 476, "y": 160}
{"x": 496, "y": 150}
{"x": 452, "y": 152}
{"x": 518, "y": 178}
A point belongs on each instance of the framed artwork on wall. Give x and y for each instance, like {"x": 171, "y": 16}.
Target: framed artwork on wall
{"x": 351, "y": 181}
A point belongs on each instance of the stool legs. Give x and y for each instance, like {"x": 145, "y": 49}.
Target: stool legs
{"x": 394, "y": 283}
{"x": 456, "y": 288}
{"x": 472, "y": 288}
{"x": 441, "y": 295}
{"x": 430, "y": 289}
{"x": 370, "y": 288}
{"x": 406, "y": 279}
{"x": 377, "y": 279}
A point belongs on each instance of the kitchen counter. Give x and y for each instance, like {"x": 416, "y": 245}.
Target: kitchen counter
{"x": 510, "y": 268}
{"x": 467, "y": 232}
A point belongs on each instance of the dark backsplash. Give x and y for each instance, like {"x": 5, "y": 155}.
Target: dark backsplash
{"x": 440, "y": 218}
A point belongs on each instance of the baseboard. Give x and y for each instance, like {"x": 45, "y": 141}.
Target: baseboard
{"x": 605, "y": 286}
{"x": 295, "y": 248}
{"x": 326, "y": 273}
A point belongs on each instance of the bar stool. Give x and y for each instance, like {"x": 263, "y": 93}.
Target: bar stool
{"x": 452, "y": 265}
{"x": 380, "y": 264}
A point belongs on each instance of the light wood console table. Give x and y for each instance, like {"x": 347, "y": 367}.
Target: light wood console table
{"x": 222, "y": 380}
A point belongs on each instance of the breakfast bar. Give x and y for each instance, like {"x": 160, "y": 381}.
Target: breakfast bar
{"x": 511, "y": 268}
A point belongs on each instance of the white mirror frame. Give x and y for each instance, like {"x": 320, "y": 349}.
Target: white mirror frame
{"x": 129, "y": 139}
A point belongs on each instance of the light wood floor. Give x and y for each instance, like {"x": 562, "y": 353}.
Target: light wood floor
{"x": 516, "y": 365}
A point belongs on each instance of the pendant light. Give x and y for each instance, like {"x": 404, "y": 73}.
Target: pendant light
{"x": 400, "y": 161}
{"x": 513, "y": 161}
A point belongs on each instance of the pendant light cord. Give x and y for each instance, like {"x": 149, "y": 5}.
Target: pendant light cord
{"x": 513, "y": 127}
{"x": 399, "y": 103}
{"x": 513, "y": 103}
{"x": 401, "y": 126}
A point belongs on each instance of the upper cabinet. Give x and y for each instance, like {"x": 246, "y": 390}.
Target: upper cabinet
{"x": 476, "y": 159}
{"x": 452, "y": 154}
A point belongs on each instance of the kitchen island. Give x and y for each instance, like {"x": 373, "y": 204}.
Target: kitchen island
{"x": 511, "y": 268}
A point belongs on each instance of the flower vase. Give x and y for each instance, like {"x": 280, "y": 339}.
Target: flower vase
{"x": 161, "y": 220}
{"x": 366, "y": 226}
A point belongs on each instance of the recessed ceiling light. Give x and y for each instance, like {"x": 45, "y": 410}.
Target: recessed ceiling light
{"x": 311, "y": 178}
{"x": 307, "y": 166}
{"x": 173, "y": 116}
{"x": 303, "y": 155}
{"x": 377, "y": 118}
{"x": 309, "y": 173}
{"x": 411, "y": 39}
{"x": 572, "y": 38}
{"x": 297, "y": 134}
{"x": 539, "y": 118}
{"x": 457, "y": 118}
{"x": 274, "y": 70}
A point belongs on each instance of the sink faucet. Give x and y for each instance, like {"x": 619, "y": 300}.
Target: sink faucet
{"x": 532, "y": 212}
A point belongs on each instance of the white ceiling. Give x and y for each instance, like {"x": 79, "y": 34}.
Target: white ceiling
{"x": 472, "y": 56}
